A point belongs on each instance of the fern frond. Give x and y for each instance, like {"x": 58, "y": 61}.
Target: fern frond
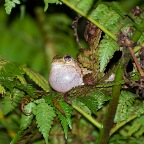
{"x": 125, "y": 106}
{"x": 134, "y": 128}
{"x": 27, "y": 88}
{"x": 82, "y": 106}
{"x": 106, "y": 50}
{"x": 11, "y": 70}
{"x": 2, "y": 90}
{"x": 46, "y": 2}
{"x": 140, "y": 110}
{"x": 64, "y": 123}
{"x": 83, "y": 5}
{"x": 67, "y": 109}
{"x": 9, "y": 4}
{"x": 94, "y": 100}
{"x": 44, "y": 118}
{"x": 116, "y": 7}
{"x": 26, "y": 120}
{"x": 49, "y": 97}
{"x": 11, "y": 100}
{"x": 37, "y": 78}
{"x": 3, "y": 62}
{"x": 106, "y": 17}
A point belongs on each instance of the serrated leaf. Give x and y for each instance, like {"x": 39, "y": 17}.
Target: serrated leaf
{"x": 67, "y": 110}
{"x": 140, "y": 110}
{"x": 11, "y": 70}
{"x": 27, "y": 88}
{"x": 82, "y": 106}
{"x": 65, "y": 115}
{"x": 94, "y": 100}
{"x": 64, "y": 123}
{"x": 46, "y": 2}
{"x": 50, "y": 97}
{"x": 3, "y": 62}
{"x": 26, "y": 120}
{"x": 2, "y": 90}
{"x": 11, "y": 100}
{"x": 44, "y": 118}
{"x": 125, "y": 106}
{"x": 107, "y": 48}
{"x": 37, "y": 78}
{"x": 84, "y": 5}
{"x": 116, "y": 6}
{"x": 9, "y": 4}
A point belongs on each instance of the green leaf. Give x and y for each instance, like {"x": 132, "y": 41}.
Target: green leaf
{"x": 82, "y": 106}
{"x": 140, "y": 110}
{"x": 66, "y": 117}
{"x": 107, "y": 48}
{"x": 46, "y": 2}
{"x": 26, "y": 120}
{"x": 49, "y": 97}
{"x": 116, "y": 6}
{"x": 3, "y": 62}
{"x": 9, "y": 4}
{"x": 84, "y": 5}
{"x": 37, "y": 78}
{"x": 27, "y": 88}
{"x": 44, "y": 118}
{"x": 2, "y": 90}
{"x": 125, "y": 106}
{"x": 11, "y": 100}
{"x": 94, "y": 100}
{"x": 68, "y": 109}
{"x": 64, "y": 123}
{"x": 11, "y": 70}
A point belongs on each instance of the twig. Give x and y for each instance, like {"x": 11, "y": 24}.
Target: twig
{"x": 136, "y": 62}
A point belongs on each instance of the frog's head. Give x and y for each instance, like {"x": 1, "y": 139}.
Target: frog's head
{"x": 65, "y": 60}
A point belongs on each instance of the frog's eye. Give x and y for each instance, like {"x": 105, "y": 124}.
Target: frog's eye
{"x": 67, "y": 58}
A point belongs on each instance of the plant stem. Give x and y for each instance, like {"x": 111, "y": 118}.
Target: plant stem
{"x": 87, "y": 116}
{"x": 16, "y": 138}
{"x": 108, "y": 122}
{"x": 90, "y": 19}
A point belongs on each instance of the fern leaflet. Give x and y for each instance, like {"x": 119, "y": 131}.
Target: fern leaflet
{"x": 44, "y": 118}
{"x": 67, "y": 110}
{"x": 26, "y": 120}
{"x": 94, "y": 100}
{"x": 2, "y": 90}
{"x": 125, "y": 106}
{"x": 46, "y": 2}
{"x": 84, "y": 5}
{"x": 9, "y": 4}
{"x": 82, "y": 106}
{"x": 11, "y": 70}
{"x": 64, "y": 123}
{"x": 107, "y": 48}
{"x": 11, "y": 100}
{"x": 37, "y": 78}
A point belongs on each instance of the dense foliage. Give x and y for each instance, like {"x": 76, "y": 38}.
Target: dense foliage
{"x": 108, "y": 111}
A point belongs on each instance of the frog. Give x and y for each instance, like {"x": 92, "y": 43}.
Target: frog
{"x": 65, "y": 73}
